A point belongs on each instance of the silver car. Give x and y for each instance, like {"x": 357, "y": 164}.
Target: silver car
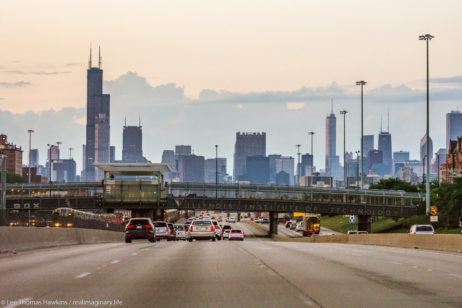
{"x": 162, "y": 230}
{"x": 180, "y": 232}
{"x": 422, "y": 229}
{"x": 201, "y": 229}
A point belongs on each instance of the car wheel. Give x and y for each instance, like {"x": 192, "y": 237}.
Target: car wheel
{"x": 190, "y": 239}
{"x": 127, "y": 240}
{"x": 151, "y": 240}
{"x": 213, "y": 239}
{"x": 219, "y": 238}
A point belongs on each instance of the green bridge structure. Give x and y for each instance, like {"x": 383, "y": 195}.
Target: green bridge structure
{"x": 141, "y": 189}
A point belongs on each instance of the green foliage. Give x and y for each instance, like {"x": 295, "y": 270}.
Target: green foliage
{"x": 448, "y": 198}
{"x": 395, "y": 184}
{"x": 14, "y": 178}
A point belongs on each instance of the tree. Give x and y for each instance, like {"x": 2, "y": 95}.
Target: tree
{"x": 14, "y": 178}
{"x": 395, "y": 184}
{"x": 448, "y": 198}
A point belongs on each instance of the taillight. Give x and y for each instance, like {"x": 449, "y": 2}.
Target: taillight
{"x": 173, "y": 231}
{"x": 211, "y": 228}
{"x": 148, "y": 226}
{"x": 167, "y": 230}
{"x": 191, "y": 229}
{"x": 130, "y": 227}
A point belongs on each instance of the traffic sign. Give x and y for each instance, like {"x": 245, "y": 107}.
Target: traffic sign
{"x": 352, "y": 219}
{"x": 433, "y": 210}
{"x": 433, "y": 218}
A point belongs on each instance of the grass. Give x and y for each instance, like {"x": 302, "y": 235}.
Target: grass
{"x": 340, "y": 223}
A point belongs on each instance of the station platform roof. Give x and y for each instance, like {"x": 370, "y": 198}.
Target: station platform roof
{"x": 133, "y": 169}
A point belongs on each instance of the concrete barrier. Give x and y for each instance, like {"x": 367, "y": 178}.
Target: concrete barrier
{"x": 443, "y": 242}
{"x": 24, "y": 238}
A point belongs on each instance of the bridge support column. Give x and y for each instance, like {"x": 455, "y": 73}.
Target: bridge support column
{"x": 273, "y": 227}
{"x": 365, "y": 223}
{"x": 238, "y": 216}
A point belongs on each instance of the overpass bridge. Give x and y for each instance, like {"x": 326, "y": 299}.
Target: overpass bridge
{"x": 150, "y": 197}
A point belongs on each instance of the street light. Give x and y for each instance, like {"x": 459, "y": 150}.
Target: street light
{"x": 362, "y": 83}
{"x": 427, "y": 38}
{"x": 311, "y": 134}
{"x": 216, "y": 171}
{"x": 438, "y": 170}
{"x": 357, "y": 166}
{"x": 298, "y": 165}
{"x": 30, "y": 131}
{"x": 344, "y": 112}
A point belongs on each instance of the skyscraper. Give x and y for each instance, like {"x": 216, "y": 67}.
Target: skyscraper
{"x": 385, "y": 147}
{"x": 423, "y": 148}
{"x": 132, "y": 151}
{"x": 332, "y": 160}
{"x": 182, "y": 150}
{"x": 247, "y": 144}
{"x": 192, "y": 169}
{"x": 257, "y": 169}
{"x": 112, "y": 150}
{"x": 211, "y": 170}
{"x": 286, "y": 164}
{"x": 368, "y": 142}
{"x": 453, "y": 126}
{"x": 98, "y": 123}
{"x": 307, "y": 165}
{"x": 34, "y": 158}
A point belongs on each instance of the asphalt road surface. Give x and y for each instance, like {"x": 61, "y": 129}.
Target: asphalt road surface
{"x": 255, "y": 273}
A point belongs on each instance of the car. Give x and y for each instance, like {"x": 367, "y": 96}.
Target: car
{"x": 226, "y": 227}
{"x": 422, "y": 229}
{"x": 140, "y": 228}
{"x": 180, "y": 232}
{"x": 299, "y": 227}
{"x": 355, "y": 232}
{"x": 232, "y": 219}
{"x": 236, "y": 234}
{"x": 226, "y": 233}
{"x": 265, "y": 221}
{"x": 219, "y": 219}
{"x": 218, "y": 231}
{"x": 162, "y": 230}
{"x": 171, "y": 230}
{"x": 201, "y": 229}
{"x": 293, "y": 225}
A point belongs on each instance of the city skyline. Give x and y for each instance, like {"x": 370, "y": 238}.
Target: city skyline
{"x": 294, "y": 79}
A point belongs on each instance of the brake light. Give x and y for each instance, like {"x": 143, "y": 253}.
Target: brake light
{"x": 148, "y": 226}
{"x": 173, "y": 231}
{"x": 211, "y": 228}
{"x": 191, "y": 229}
{"x": 167, "y": 230}
{"x": 130, "y": 227}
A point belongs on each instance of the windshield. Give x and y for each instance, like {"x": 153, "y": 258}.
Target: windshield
{"x": 160, "y": 224}
{"x": 139, "y": 222}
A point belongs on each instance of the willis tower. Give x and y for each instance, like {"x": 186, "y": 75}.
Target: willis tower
{"x": 98, "y": 119}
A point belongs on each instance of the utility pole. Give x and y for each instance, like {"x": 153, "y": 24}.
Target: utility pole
{"x": 362, "y": 83}
{"x": 344, "y": 112}
{"x": 427, "y": 38}
{"x": 3, "y": 182}
{"x": 30, "y": 131}
{"x": 216, "y": 171}
{"x": 298, "y": 165}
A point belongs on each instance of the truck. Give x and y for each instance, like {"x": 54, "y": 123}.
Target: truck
{"x": 311, "y": 224}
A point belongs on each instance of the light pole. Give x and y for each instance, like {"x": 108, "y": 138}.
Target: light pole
{"x": 49, "y": 161}
{"x": 3, "y": 182}
{"x": 427, "y": 38}
{"x": 298, "y": 165}
{"x": 362, "y": 83}
{"x": 216, "y": 171}
{"x": 357, "y": 166}
{"x": 70, "y": 152}
{"x": 311, "y": 134}
{"x": 30, "y": 131}
{"x": 344, "y": 112}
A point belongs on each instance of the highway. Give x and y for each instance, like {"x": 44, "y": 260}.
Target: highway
{"x": 257, "y": 272}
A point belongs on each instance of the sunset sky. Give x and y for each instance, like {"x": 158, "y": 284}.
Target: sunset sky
{"x": 244, "y": 60}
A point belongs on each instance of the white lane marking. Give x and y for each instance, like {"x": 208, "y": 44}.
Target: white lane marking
{"x": 115, "y": 261}
{"x": 134, "y": 254}
{"x": 271, "y": 273}
{"x": 19, "y": 302}
{"x": 82, "y": 275}
{"x": 306, "y": 300}
{"x": 455, "y": 275}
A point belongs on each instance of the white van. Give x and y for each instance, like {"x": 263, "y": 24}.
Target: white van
{"x": 422, "y": 229}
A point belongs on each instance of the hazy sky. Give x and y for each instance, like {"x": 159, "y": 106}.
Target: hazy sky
{"x": 252, "y": 50}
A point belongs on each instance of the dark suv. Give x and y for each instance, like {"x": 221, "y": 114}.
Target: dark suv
{"x": 140, "y": 228}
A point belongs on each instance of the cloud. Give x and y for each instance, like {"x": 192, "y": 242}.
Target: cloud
{"x": 16, "y": 72}
{"x": 454, "y": 79}
{"x": 295, "y": 106}
{"x": 17, "y": 84}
